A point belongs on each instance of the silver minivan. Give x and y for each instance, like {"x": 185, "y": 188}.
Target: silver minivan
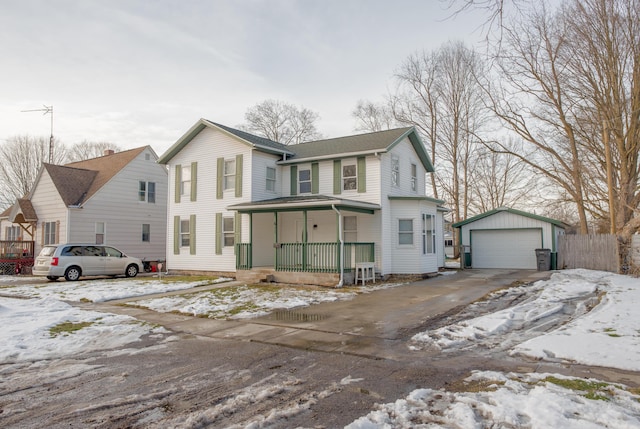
{"x": 75, "y": 260}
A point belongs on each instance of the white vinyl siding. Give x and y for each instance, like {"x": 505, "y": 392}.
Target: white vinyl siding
{"x": 123, "y": 213}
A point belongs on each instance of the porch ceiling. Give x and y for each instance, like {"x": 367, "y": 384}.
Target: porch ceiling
{"x": 298, "y": 203}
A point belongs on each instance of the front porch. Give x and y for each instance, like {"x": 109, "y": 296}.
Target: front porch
{"x": 288, "y": 240}
{"x": 16, "y": 257}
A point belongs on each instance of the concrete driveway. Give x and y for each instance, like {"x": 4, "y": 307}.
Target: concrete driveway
{"x": 372, "y": 325}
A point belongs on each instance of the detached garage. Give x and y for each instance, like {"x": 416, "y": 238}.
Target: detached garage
{"x": 507, "y": 238}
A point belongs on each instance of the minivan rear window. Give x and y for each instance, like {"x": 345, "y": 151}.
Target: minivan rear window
{"x": 47, "y": 251}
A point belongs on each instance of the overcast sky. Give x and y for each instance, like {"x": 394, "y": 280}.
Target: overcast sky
{"x": 142, "y": 72}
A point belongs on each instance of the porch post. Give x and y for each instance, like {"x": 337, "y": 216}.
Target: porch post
{"x": 250, "y": 239}
{"x": 304, "y": 240}
{"x": 275, "y": 239}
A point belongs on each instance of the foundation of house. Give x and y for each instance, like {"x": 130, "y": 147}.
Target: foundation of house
{"x": 269, "y": 274}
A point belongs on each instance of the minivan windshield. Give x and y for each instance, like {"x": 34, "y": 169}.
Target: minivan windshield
{"x": 47, "y": 251}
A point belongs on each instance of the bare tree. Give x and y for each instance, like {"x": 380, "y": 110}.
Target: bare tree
{"x": 373, "y": 117}
{"x": 282, "y": 122}
{"x": 438, "y": 94}
{"x": 87, "y": 150}
{"x": 22, "y": 157}
{"x": 500, "y": 180}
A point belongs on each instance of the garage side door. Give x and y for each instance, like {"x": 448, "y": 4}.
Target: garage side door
{"x": 505, "y": 248}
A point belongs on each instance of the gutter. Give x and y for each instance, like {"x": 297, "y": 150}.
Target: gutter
{"x": 341, "y": 259}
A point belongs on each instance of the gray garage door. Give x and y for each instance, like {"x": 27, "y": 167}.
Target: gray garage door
{"x": 505, "y": 248}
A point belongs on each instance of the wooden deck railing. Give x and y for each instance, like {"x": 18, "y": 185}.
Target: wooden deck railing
{"x": 16, "y": 249}
{"x": 321, "y": 257}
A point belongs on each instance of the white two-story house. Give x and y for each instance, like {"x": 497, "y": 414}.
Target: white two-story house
{"x": 305, "y": 213}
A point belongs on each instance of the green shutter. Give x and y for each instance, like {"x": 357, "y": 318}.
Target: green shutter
{"x": 192, "y": 234}
{"x": 220, "y": 178}
{"x": 178, "y": 182}
{"x": 294, "y": 180}
{"x": 194, "y": 180}
{"x": 337, "y": 177}
{"x": 237, "y": 223}
{"x": 362, "y": 174}
{"x": 239, "y": 175}
{"x": 218, "y": 234}
{"x": 176, "y": 235}
{"x": 315, "y": 178}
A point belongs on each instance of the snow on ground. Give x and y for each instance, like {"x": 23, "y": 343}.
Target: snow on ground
{"x": 37, "y": 329}
{"x": 608, "y": 335}
{"x": 238, "y": 302}
{"x": 497, "y": 400}
{"x": 99, "y": 290}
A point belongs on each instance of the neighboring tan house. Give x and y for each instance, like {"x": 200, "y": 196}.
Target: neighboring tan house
{"x": 118, "y": 199}
{"x": 252, "y": 207}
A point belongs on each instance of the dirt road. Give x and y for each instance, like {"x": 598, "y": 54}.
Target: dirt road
{"x": 322, "y": 366}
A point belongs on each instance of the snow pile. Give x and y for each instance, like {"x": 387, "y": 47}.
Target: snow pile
{"x": 106, "y": 290}
{"x": 608, "y": 335}
{"x": 27, "y": 334}
{"x": 511, "y": 400}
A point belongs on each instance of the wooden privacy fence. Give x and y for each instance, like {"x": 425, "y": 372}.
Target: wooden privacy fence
{"x": 592, "y": 251}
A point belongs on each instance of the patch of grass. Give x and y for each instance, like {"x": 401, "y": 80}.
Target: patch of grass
{"x": 85, "y": 300}
{"x": 595, "y": 390}
{"x": 612, "y": 333}
{"x": 474, "y": 386}
{"x": 66, "y": 328}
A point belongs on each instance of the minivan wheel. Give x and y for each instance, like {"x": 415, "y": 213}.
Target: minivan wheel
{"x": 132, "y": 270}
{"x": 72, "y": 274}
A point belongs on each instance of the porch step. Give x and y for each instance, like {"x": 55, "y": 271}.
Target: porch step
{"x": 262, "y": 274}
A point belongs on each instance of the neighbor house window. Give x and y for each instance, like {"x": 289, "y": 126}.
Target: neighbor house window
{"x": 349, "y": 177}
{"x": 185, "y": 184}
{"x": 304, "y": 181}
{"x": 184, "y": 233}
{"x": 414, "y": 177}
{"x": 147, "y": 191}
{"x": 49, "y": 231}
{"x": 99, "y": 232}
{"x": 405, "y": 231}
{"x": 271, "y": 179}
{"x": 146, "y": 232}
{"x": 395, "y": 170}
{"x": 230, "y": 174}
{"x": 428, "y": 234}
{"x": 228, "y": 231}
{"x": 350, "y": 229}
{"x": 12, "y": 233}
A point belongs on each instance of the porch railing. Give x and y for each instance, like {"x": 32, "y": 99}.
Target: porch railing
{"x": 321, "y": 257}
{"x": 243, "y": 256}
{"x": 16, "y": 249}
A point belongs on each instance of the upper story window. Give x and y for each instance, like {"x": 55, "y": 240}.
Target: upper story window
{"x": 304, "y": 181}
{"x": 395, "y": 170}
{"x": 185, "y": 184}
{"x": 147, "y": 191}
{"x": 229, "y": 174}
{"x": 271, "y": 179}
{"x": 349, "y": 177}
{"x": 414, "y": 177}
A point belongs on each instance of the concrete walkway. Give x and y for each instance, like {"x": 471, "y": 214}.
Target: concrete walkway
{"x": 374, "y": 325}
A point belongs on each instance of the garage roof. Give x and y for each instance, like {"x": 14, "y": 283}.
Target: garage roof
{"x": 513, "y": 211}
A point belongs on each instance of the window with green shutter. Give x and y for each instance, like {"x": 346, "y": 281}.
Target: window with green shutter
{"x": 315, "y": 178}
{"x": 337, "y": 177}
{"x": 294, "y": 179}
{"x": 219, "y": 178}
{"x": 239, "y": 175}
{"x": 218, "y": 237}
{"x": 194, "y": 180}
{"x": 362, "y": 174}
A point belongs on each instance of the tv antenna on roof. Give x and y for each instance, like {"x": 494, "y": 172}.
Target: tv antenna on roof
{"x": 46, "y": 109}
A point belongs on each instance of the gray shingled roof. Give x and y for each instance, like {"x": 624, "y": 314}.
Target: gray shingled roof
{"x": 260, "y": 141}
{"x": 359, "y": 143}
{"x": 72, "y": 184}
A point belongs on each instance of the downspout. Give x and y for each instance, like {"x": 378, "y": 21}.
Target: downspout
{"x": 341, "y": 259}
